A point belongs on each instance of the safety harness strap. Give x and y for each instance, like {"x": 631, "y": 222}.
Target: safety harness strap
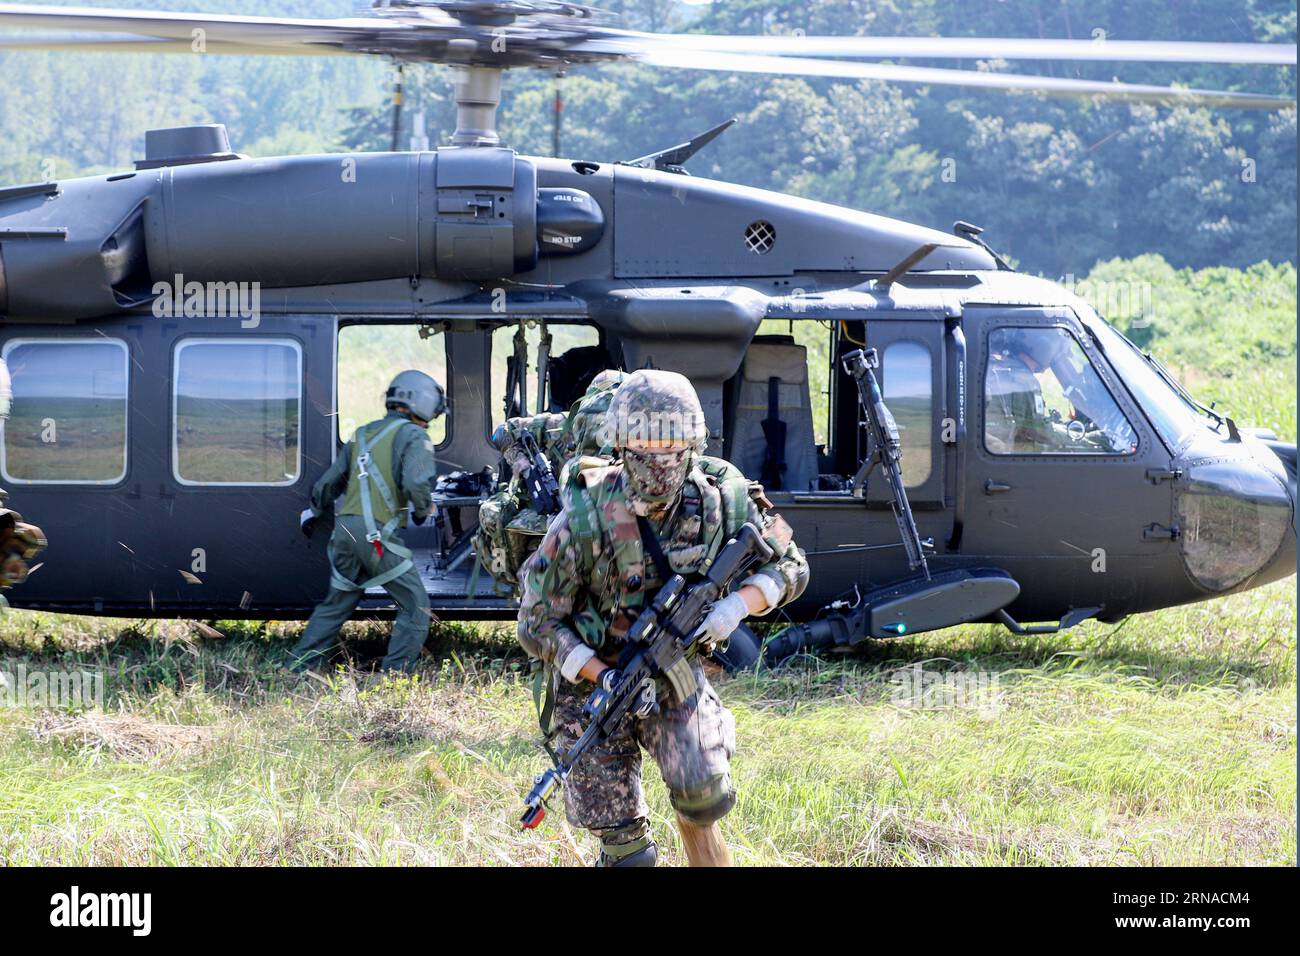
{"x": 774, "y": 437}
{"x": 380, "y": 537}
{"x": 364, "y": 476}
{"x": 339, "y": 582}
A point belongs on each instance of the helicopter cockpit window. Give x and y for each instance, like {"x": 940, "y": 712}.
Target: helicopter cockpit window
{"x": 908, "y": 392}
{"x": 68, "y": 420}
{"x": 238, "y": 411}
{"x": 370, "y": 356}
{"x": 1173, "y": 414}
{"x": 572, "y": 358}
{"x": 1042, "y": 396}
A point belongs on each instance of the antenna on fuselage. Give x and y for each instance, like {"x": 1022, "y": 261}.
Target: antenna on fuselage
{"x": 971, "y": 232}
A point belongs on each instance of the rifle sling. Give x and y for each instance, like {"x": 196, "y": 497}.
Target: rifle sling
{"x": 650, "y": 542}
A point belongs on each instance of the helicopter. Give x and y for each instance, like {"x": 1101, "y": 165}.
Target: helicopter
{"x": 178, "y": 336}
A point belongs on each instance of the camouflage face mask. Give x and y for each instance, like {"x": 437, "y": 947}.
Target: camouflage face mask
{"x": 656, "y": 477}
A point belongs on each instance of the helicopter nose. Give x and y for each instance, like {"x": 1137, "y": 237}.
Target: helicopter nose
{"x": 1236, "y": 506}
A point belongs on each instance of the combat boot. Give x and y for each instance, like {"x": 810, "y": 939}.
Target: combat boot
{"x": 629, "y": 845}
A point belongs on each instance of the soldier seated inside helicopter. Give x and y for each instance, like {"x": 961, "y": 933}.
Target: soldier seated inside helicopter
{"x": 1043, "y": 396}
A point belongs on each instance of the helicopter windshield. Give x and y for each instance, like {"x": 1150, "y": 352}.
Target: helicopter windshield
{"x": 1173, "y": 412}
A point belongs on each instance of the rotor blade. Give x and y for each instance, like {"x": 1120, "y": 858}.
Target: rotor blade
{"x": 1056, "y": 86}
{"x": 984, "y": 48}
{"x": 253, "y": 31}
{"x": 124, "y": 43}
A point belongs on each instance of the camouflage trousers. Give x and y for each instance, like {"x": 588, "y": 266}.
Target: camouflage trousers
{"x": 693, "y": 743}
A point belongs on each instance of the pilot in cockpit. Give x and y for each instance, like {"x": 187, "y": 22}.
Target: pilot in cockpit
{"x": 1042, "y": 396}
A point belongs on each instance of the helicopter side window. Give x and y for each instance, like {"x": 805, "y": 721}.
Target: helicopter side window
{"x": 1043, "y": 396}
{"x": 68, "y": 421}
{"x": 908, "y": 392}
{"x": 237, "y": 412}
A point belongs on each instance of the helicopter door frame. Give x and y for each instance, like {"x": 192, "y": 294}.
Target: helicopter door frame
{"x": 1008, "y": 497}
{"x": 923, "y": 334}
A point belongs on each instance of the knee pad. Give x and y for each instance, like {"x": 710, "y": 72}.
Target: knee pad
{"x": 708, "y": 804}
{"x": 628, "y": 845}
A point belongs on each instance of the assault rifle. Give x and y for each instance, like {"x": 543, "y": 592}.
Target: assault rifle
{"x": 543, "y": 489}
{"x": 887, "y": 451}
{"x": 658, "y": 645}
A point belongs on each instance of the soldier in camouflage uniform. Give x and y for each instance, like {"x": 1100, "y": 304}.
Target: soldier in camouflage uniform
{"x": 510, "y": 528}
{"x": 590, "y": 577}
{"x": 584, "y": 429}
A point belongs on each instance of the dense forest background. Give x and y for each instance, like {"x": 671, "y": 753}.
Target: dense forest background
{"x": 1058, "y": 184}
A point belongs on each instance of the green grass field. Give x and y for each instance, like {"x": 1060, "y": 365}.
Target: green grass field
{"x": 1169, "y": 739}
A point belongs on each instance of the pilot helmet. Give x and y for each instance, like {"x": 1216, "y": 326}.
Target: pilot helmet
{"x": 418, "y": 392}
{"x": 1044, "y": 346}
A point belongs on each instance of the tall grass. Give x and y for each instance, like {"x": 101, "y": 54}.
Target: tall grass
{"x": 1169, "y": 739}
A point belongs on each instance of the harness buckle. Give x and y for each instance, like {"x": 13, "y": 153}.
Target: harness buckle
{"x": 374, "y": 538}
{"x": 363, "y": 465}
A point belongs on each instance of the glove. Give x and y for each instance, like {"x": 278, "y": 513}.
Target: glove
{"x": 307, "y": 521}
{"x": 723, "y": 618}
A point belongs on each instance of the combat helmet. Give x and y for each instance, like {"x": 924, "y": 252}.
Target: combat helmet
{"x": 655, "y": 408}
{"x": 657, "y": 422}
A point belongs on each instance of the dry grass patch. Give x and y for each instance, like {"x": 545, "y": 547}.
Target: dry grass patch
{"x": 121, "y": 736}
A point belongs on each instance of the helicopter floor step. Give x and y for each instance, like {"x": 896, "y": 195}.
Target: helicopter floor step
{"x": 944, "y": 599}
{"x": 443, "y": 586}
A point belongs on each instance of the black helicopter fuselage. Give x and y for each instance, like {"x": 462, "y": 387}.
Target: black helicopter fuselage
{"x": 159, "y": 270}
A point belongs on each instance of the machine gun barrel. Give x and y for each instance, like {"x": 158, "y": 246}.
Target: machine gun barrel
{"x": 888, "y": 450}
{"x": 659, "y": 645}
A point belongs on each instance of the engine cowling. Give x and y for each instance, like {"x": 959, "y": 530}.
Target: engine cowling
{"x": 91, "y": 247}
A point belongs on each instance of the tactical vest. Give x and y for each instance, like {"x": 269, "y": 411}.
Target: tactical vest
{"x": 715, "y": 502}
{"x": 372, "y": 494}
{"x": 386, "y": 500}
